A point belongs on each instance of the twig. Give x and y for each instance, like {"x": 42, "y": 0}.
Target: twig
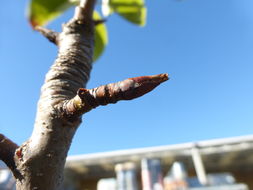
{"x": 52, "y": 36}
{"x": 84, "y": 11}
{"x": 87, "y": 99}
{"x": 7, "y": 152}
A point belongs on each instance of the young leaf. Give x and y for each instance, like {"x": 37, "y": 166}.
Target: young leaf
{"x": 41, "y": 12}
{"x": 132, "y": 10}
{"x": 101, "y": 38}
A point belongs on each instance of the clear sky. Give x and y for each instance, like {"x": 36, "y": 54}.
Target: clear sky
{"x": 206, "y": 46}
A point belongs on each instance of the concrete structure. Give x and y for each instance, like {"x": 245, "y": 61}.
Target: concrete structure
{"x": 233, "y": 155}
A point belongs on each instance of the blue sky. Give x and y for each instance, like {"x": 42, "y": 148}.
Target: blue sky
{"x": 205, "y": 46}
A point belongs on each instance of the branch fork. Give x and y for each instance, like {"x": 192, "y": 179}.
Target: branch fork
{"x": 39, "y": 162}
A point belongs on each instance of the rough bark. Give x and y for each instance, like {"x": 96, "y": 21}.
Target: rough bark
{"x": 38, "y": 163}
{"x": 41, "y": 159}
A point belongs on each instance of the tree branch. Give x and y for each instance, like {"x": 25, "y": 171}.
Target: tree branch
{"x": 40, "y": 160}
{"x": 84, "y": 11}
{"x": 7, "y": 152}
{"x": 87, "y": 99}
{"x": 52, "y": 36}
{"x": 43, "y": 155}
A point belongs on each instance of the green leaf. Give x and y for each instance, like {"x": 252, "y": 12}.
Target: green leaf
{"x": 132, "y": 10}
{"x": 43, "y": 11}
{"x": 101, "y": 37}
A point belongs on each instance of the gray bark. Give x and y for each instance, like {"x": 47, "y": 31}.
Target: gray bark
{"x": 43, "y": 156}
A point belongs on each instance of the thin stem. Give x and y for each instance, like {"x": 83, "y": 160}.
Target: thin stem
{"x": 85, "y": 10}
{"x": 7, "y": 152}
{"x": 52, "y": 36}
{"x": 87, "y": 99}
